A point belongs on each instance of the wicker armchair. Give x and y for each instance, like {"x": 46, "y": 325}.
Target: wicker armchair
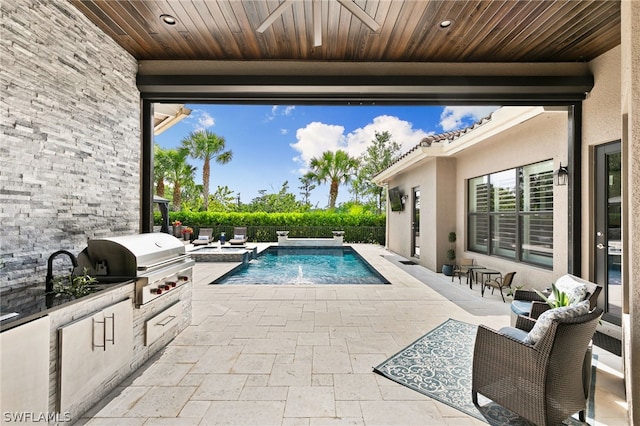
{"x": 546, "y": 382}
{"x": 529, "y": 303}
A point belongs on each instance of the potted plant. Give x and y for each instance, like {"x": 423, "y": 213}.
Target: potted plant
{"x": 447, "y": 268}
{"x": 74, "y": 286}
{"x": 177, "y": 228}
{"x": 187, "y": 231}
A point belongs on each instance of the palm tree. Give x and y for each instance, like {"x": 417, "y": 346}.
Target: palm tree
{"x": 180, "y": 173}
{"x": 206, "y": 145}
{"x": 335, "y": 168}
{"x": 161, "y": 168}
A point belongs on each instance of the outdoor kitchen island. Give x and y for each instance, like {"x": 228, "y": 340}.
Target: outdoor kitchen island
{"x": 60, "y": 359}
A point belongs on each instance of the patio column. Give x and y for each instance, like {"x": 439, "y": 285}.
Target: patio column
{"x": 146, "y": 178}
{"x": 630, "y": 99}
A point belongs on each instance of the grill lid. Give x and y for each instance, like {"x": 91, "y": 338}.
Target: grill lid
{"x": 128, "y": 255}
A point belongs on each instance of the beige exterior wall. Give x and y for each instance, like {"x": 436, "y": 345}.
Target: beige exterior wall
{"x": 601, "y": 118}
{"x": 437, "y": 211}
{"x": 541, "y": 138}
{"x": 630, "y": 118}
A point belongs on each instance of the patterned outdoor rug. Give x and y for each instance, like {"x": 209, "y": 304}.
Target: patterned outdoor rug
{"x": 439, "y": 365}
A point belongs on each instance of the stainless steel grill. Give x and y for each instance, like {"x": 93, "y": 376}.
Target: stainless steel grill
{"x": 157, "y": 262}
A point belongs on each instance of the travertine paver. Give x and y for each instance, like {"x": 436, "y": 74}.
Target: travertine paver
{"x": 303, "y": 355}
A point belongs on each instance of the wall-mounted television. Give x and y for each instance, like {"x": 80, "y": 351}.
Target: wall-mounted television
{"x": 395, "y": 199}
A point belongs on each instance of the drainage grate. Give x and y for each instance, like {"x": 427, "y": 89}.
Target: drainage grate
{"x": 608, "y": 343}
{"x": 408, "y": 262}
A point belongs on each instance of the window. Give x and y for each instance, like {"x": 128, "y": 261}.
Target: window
{"x": 511, "y": 214}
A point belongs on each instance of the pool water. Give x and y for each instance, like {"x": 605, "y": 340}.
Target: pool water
{"x": 308, "y": 265}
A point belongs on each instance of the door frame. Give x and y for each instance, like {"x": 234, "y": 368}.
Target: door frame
{"x": 600, "y": 214}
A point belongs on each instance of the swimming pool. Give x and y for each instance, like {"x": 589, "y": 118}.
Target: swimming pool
{"x": 304, "y": 265}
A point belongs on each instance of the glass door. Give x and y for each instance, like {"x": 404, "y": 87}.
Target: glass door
{"x": 415, "y": 224}
{"x": 608, "y": 221}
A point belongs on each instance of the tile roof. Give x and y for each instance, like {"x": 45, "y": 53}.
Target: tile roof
{"x": 441, "y": 138}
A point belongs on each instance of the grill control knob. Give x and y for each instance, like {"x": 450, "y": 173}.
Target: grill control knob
{"x": 183, "y": 278}
{"x": 158, "y": 290}
{"x": 173, "y": 283}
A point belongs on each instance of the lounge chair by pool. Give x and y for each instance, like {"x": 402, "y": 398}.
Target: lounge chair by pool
{"x": 239, "y": 236}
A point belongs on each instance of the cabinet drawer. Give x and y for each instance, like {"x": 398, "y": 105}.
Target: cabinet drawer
{"x": 162, "y": 323}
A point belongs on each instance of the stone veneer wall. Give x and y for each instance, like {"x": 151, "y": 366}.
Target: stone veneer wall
{"x": 69, "y": 137}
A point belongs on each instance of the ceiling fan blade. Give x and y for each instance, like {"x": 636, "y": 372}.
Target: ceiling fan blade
{"x": 360, "y": 14}
{"x": 317, "y": 23}
{"x": 274, "y": 15}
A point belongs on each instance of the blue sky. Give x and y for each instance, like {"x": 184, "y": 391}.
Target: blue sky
{"x": 273, "y": 144}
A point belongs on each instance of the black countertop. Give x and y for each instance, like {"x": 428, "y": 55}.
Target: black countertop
{"x": 33, "y": 302}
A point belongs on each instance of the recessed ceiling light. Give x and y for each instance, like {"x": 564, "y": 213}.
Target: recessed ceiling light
{"x": 446, "y": 23}
{"x": 168, "y": 19}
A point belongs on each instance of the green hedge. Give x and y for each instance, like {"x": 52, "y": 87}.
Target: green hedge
{"x": 262, "y": 227}
{"x": 211, "y": 219}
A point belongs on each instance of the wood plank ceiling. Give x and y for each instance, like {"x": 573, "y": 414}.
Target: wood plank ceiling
{"x": 480, "y": 30}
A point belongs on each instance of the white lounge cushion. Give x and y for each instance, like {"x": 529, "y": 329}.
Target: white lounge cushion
{"x": 203, "y": 237}
{"x": 546, "y": 318}
{"x": 574, "y": 287}
{"x": 238, "y": 237}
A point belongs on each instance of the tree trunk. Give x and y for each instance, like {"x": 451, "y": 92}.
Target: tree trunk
{"x": 333, "y": 194}
{"x": 206, "y": 172}
{"x": 177, "y": 197}
{"x": 160, "y": 188}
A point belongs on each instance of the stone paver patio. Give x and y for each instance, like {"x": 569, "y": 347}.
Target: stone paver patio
{"x": 303, "y": 355}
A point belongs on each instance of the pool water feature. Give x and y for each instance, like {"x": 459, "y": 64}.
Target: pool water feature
{"x": 304, "y": 265}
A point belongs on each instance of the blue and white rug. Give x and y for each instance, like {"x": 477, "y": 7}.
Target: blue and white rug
{"x": 439, "y": 365}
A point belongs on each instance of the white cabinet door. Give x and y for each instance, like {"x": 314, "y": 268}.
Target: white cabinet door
{"x": 25, "y": 371}
{"x": 91, "y": 350}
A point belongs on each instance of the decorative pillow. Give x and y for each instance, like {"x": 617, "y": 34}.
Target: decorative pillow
{"x": 574, "y": 287}
{"x": 544, "y": 321}
{"x": 203, "y": 237}
{"x": 238, "y": 237}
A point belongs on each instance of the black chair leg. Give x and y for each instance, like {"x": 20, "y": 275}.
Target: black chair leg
{"x": 582, "y": 417}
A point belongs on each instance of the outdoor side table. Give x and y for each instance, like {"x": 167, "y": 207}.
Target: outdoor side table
{"x": 471, "y": 274}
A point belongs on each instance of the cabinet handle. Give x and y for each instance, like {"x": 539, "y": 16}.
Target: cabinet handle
{"x": 104, "y": 332}
{"x": 167, "y": 320}
{"x": 113, "y": 330}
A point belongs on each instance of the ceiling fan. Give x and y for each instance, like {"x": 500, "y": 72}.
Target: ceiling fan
{"x": 356, "y": 10}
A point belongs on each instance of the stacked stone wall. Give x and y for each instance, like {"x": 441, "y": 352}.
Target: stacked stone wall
{"x": 69, "y": 137}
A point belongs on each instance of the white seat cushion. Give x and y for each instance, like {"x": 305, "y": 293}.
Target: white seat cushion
{"x": 546, "y": 318}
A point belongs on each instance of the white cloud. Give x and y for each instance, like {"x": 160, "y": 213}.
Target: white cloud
{"x": 277, "y": 111}
{"x": 316, "y": 138}
{"x": 203, "y": 120}
{"x": 457, "y": 117}
{"x": 284, "y": 131}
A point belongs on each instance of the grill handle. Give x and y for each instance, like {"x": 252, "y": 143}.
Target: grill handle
{"x": 164, "y": 262}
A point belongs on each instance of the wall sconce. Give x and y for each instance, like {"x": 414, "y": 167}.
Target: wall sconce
{"x": 561, "y": 176}
{"x": 404, "y": 198}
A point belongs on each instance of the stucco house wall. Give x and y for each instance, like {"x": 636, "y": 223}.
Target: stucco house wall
{"x": 630, "y": 117}
{"x": 437, "y": 211}
{"x": 69, "y": 137}
{"x": 541, "y": 138}
{"x": 602, "y": 123}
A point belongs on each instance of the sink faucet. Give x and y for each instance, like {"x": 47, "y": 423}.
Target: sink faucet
{"x": 49, "y": 282}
